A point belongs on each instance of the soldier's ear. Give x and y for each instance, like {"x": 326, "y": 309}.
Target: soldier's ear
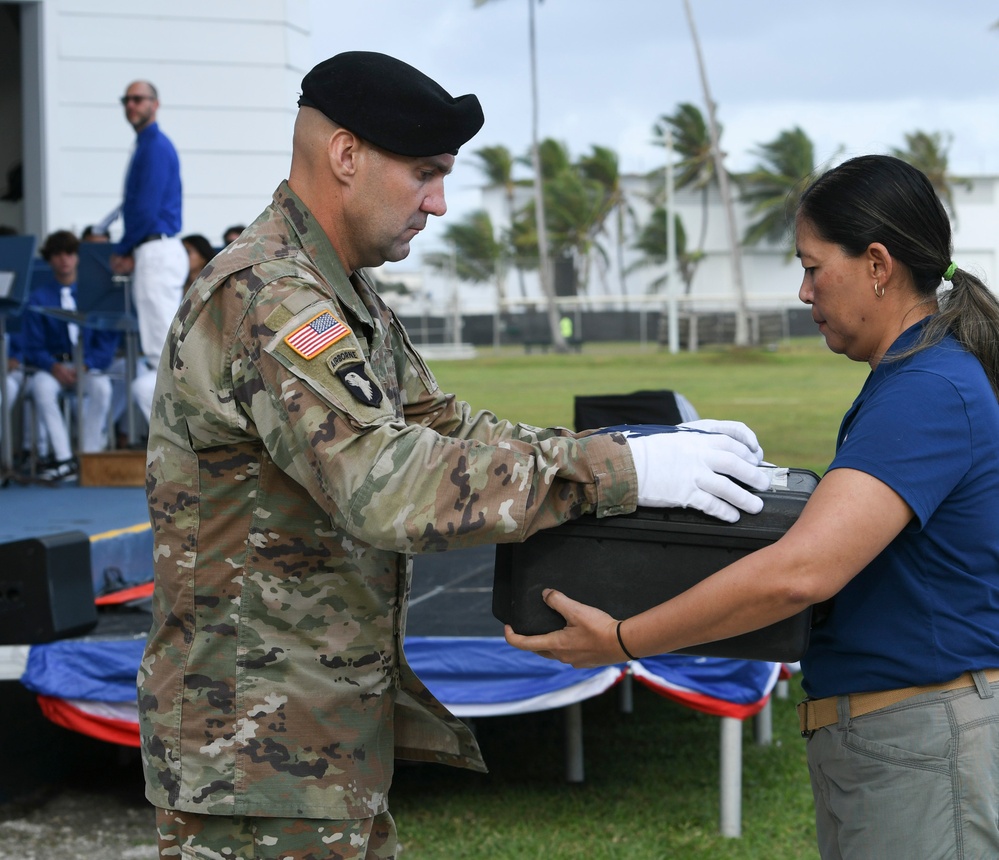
{"x": 342, "y": 150}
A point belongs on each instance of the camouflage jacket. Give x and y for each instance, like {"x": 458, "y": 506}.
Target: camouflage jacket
{"x": 299, "y": 451}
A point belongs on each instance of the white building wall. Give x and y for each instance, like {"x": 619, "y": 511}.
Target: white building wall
{"x": 976, "y": 231}
{"x": 228, "y": 73}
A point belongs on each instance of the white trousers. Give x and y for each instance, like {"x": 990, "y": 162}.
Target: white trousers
{"x": 143, "y": 387}
{"x": 15, "y": 381}
{"x": 158, "y": 279}
{"x": 45, "y": 390}
{"x": 9, "y": 397}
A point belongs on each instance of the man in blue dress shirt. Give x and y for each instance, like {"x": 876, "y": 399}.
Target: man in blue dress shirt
{"x": 150, "y": 248}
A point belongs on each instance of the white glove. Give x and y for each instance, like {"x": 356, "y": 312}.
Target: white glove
{"x": 736, "y": 429}
{"x": 694, "y": 467}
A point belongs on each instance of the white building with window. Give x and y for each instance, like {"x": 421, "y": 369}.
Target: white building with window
{"x": 228, "y": 104}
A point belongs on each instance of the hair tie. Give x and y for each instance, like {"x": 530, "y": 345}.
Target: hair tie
{"x": 947, "y": 275}
{"x": 620, "y": 642}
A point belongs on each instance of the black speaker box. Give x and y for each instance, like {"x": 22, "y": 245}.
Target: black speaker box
{"x": 640, "y": 407}
{"x": 627, "y": 564}
{"x": 46, "y": 589}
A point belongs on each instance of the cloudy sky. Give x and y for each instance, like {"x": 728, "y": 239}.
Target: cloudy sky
{"x": 856, "y": 74}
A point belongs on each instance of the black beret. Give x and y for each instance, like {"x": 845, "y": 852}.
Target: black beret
{"x": 390, "y": 104}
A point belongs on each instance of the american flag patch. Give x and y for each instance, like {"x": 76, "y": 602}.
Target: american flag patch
{"x": 318, "y": 333}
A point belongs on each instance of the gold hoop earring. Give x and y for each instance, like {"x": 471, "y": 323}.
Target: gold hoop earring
{"x": 876, "y": 292}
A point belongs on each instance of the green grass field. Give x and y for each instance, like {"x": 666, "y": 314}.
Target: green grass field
{"x": 650, "y": 792}
{"x": 793, "y": 396}
{"x": 651, "y": 788}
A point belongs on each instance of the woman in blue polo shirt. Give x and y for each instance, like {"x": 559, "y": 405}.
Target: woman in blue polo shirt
{"x": 901, "y": 537}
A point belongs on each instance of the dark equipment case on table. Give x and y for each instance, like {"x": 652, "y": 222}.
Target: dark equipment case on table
{"x": 627, "y": 564}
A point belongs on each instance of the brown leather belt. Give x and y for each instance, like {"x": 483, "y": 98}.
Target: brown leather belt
{"x": 817, "y": 713}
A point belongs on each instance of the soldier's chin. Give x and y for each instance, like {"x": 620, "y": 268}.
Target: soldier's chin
{"x": 397, "y": 252}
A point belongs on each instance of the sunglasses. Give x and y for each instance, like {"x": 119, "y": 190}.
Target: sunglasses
{"x": 136, "y": 99}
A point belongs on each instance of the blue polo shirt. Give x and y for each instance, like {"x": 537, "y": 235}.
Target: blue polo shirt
{"x": 927, "y": 608}
{"x": 152, "y": 201}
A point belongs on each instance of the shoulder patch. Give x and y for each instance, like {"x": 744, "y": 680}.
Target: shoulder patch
{"x": 337, "y": 358}
{"x": 320, "y": 332}
{"x": 359, "y": 384}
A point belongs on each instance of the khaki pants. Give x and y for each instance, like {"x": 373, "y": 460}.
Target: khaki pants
{"x": 186, "y": 835}
{"x": 913, "y": 780}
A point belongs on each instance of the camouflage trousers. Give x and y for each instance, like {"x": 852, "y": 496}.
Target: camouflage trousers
{"x": 187, "y": 835}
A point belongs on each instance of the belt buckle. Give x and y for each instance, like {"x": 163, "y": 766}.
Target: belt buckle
{"x": 802, "y": 709}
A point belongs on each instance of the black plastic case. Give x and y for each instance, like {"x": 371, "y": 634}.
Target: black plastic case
{"x": 627, "y": 564}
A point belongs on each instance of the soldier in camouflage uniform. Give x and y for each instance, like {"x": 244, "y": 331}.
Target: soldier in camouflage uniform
{"x": 299, "y": 452}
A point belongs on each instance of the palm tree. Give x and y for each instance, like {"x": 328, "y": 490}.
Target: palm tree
{"x": 930, "y": 152}
{"x": 576, "y": 210}
{"x": 553, "y": 158}
{"x": 785, "y": 168}
{"x": 651, "y": 241}
{"x": 696, "y": 167}
{"x": 497, "y": 163}
{"x": 475, "y": 255}
{"x": 524, "y": 239}
{"x": 601, "y": 166}
{"x": 478, "y": 256}
{"x": 574, "y": 207}
{"x": 742, "y": 334}
{"x": 558, "y": 341}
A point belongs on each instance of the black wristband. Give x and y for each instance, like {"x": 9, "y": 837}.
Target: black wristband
{"x": 620, "y": 642}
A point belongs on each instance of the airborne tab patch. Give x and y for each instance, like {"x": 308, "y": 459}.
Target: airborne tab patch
{"x": 357, "y": 382}
{"x": 343, "y": 355}
{"x": 321, "y": 331}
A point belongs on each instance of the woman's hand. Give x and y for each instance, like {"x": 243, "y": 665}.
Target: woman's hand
{"x": 589, "y": 638}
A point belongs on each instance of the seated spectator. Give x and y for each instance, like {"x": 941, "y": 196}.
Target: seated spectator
{"x": 233, "y": 233}
{"x": 48, "y": 346}
{"x": 94, "y": 234}
{"x": 199, "y": 252}
{"x": 16, "y": 383}
{"x": 15, "y": 377}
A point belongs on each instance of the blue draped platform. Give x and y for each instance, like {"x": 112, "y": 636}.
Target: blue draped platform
{"x": 114, "y": 518}
{"x": 455, "y": 644}
{"x": 87, "y": 683}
